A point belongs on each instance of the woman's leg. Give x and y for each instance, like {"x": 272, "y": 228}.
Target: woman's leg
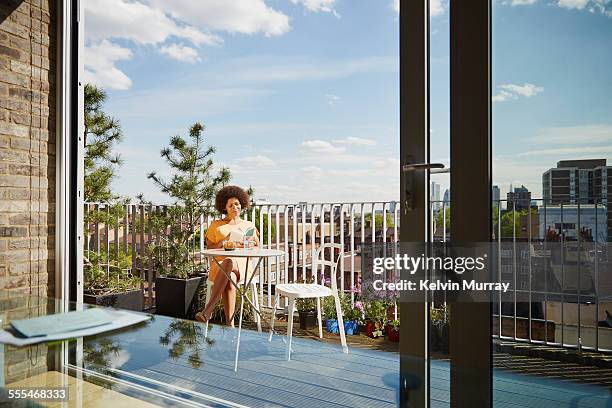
{"x": 219, "y": 287}
{"x": 229, "y": 302}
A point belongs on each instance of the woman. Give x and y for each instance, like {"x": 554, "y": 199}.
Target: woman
{"x": 230, "y": 201}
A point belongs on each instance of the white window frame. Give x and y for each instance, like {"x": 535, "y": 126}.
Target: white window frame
{"x": 69, "y": 187}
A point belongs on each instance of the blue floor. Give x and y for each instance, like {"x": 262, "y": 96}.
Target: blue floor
{"x": 174, "y": 355}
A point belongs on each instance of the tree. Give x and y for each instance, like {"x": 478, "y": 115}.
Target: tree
{"x": 193, "y": 188}
{"x": 104, "y": 272}
{"x": 102, "y": 133}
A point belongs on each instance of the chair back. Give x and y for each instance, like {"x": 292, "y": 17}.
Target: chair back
{"x": 319, "y": 259}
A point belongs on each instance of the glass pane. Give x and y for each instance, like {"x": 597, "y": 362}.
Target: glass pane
{"x": 551, "y": 156}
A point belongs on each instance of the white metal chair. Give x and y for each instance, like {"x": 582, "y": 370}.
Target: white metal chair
{"x": 312, "y": 290}
{"x": 254, "y": 299}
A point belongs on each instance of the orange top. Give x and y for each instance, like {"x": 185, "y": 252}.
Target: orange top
{"x": 220, "y": 229}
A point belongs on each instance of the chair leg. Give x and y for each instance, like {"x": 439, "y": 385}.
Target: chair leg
{"x": 207, "y": 298}
{"x": 319, "y": 317}
{"x": 290, "y": 326}
{"x": 255, "y": 301}
{"x": 239, "y": 330}
{"x": 273, "y": 316}
{"x": 340, "y": 323}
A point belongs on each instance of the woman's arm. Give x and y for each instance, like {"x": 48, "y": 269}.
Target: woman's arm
{"x": 218, "y": 245}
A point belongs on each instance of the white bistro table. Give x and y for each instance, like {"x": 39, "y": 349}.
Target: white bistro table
{"x": 250, "y": 254}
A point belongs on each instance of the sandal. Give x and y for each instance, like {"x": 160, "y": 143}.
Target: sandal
{"x": 201, "y": 318}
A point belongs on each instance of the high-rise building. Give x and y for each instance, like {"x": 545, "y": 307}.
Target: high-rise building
{"x": 495, "y": 195}
{"x": 446, "y": 198}
{"x": 434, "y": 194}
{"x": 580, "y": 182}
{"x": 519, "y": 199}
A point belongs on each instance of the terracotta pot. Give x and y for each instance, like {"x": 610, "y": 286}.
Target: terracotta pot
{"x": 392, "y": 334}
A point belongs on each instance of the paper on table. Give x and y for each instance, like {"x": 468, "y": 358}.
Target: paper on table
{"x": 120, "y": 319}
{"x": 61, "y": 322}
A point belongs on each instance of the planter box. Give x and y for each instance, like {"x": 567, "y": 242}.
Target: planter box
{"x": 350, "y": 327}
{"x": 332, "y": 326}
{"x": 132, "y": 300}
{"x": 308, "y": 320}
{"x": 177, "y": 297}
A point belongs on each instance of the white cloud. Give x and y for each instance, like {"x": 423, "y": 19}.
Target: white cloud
{"x": 99, "y": 60}
{"x": 181, "y": 53}
{"x": 573, "y": 4}
{"x": 317, "y": 5}
{"x": 256, "y": 162}
{"x": 594, "y": 6}
{"x": 572, "y": 135}
{"x": 158, "y": 23}
{"x": 513, "y": 91}
{"x": 332, "y": 99}
{"x": 570, "y": 151}
{"x": 358, "y": 141}
{"x": 436, "y": 8}
{"x": 322, "y": 147}
{"x": 137, "y": 22}
{"x": 233, "y": 16}
{"x": 307, "y": 69}
{"x": 313, "y": 171}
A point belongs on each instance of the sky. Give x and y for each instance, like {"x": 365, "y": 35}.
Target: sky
{"x": 301, "y": 97}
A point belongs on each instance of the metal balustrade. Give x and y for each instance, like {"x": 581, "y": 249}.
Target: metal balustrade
{"x": 298, "y": 229}
{"x": 541, "y": 306}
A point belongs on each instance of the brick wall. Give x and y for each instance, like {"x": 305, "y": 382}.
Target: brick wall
{"x": 27, "y": 144}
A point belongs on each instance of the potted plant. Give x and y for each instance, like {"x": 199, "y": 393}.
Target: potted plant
{"x": 307, "y": 309}
{"x": 331, "y": 317}
{"x": 393, "y": 331}
{"x": 193, "y": 188}
{"x": 351, "y": 313}
{"x": 440, "y": 318}
{"x": 109, "y": 281}
{"x": 375, "y": 314}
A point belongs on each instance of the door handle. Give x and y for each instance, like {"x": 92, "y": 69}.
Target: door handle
{"x": 409, "y": 169}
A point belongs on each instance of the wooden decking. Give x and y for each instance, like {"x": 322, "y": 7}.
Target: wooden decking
{"x": 318, "y": 375}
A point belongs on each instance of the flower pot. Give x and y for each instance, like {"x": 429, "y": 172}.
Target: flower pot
{"x": 308, "y": 320}
{"x": 130, "y": 300}
{"x": 393, "y": 334}
{"x": 371, "y": 330}
{"x": 177, "y": 297}
{"x": 351, "y": 327}
{"x": 332, "y": 326}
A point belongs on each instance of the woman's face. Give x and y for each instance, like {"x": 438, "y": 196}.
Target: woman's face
{"x": 233, "y": 207}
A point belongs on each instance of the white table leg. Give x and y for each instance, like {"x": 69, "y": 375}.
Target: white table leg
{"x": 239, "y": 330}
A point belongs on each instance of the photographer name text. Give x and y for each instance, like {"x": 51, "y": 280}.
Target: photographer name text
{"x": 438, "y": 285}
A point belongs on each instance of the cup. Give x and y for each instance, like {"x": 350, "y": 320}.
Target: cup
{"x": 247, "y": 242}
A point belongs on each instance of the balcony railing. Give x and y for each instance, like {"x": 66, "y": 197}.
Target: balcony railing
{"x": 542, "y": 306}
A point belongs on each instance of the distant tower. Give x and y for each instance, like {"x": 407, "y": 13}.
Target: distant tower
{"x": 495, "y": 196}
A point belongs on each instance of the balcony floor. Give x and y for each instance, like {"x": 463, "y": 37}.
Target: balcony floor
{"x": 318, "y": 375}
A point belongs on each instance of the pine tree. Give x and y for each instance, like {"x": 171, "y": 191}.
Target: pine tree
{"x": 102, "y": 133}
{"x": 193, "y": 188}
